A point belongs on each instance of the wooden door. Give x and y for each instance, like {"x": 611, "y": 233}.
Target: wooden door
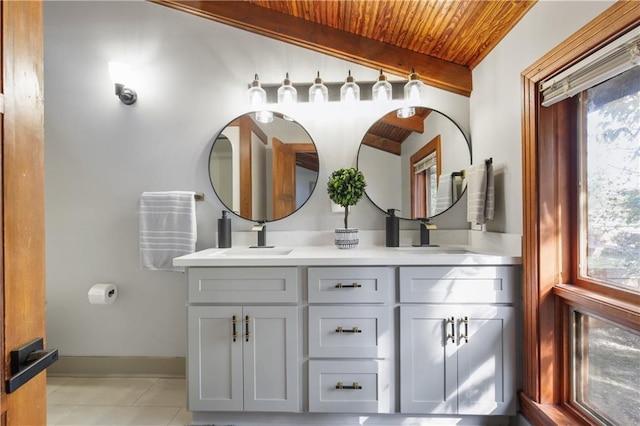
{"x": 271, "y": 359}
{"x": 22, "y": 304}
{"x": 284, "y": 179}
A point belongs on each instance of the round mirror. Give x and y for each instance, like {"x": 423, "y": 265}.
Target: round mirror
{"x": 415, "y": 165}
{"x": 263, "y": 168}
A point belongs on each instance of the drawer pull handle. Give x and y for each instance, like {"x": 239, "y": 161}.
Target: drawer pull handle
{"x": 247, "y": 334}
{"x": 354, "y": 329}
{"x": 465, "y": 336}
{"x": 355, "y": 385}
{"x": 234, "y": 321}
{"x": 354, "y": 285}
{"x": 451, "y": 335}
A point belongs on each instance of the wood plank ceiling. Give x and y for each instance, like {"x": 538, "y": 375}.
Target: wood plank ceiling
{"x": 442, "y": 39}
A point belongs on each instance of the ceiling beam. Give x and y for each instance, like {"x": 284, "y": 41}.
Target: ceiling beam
{"x": 341, "y": 44}
{"x": 382, "y": 144}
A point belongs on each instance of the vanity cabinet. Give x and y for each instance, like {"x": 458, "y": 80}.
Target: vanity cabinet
{"x": 457, "y": 358}
{"x": 243, "y": 356}
{"x": 393, "y": 338}
{"x": 350, "y": 339}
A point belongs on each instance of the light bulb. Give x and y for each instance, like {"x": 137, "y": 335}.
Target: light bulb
{"x": 381, "y": 91}
{"x": 350, "y": 91}
{"x": 257, "y": 95}
{"x": 287, "y": 94}
{"x": 318, "y": 92}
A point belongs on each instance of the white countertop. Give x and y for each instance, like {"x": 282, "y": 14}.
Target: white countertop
{"x": 332, "y": 256}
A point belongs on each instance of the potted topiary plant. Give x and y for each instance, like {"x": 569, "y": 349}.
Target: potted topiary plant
{"x": 345, "y": 188}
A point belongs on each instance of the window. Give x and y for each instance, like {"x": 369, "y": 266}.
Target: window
{"x": 606, "y": 365}
{"x": 581, "y": 319}
{"x": 425, "y": 166}
{"x": 610, "y": 182}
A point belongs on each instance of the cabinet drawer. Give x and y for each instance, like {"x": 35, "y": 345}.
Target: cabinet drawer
{"x": 349, "y": 331}
{"x": 460, "y": 284}
{"x": 349, "y": 285}
{"x": 243, "y": 285}
{"x": 331, "y": 386}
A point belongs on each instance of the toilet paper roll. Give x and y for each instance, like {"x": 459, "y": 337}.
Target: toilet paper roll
{"x": 102, "y": 294}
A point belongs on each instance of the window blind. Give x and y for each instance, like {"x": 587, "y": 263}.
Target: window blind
{"x": 425, "y": 164}
{"x": 615, "y": 58}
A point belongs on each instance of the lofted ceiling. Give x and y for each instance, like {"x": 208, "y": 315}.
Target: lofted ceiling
{"x": 442, "y": 39}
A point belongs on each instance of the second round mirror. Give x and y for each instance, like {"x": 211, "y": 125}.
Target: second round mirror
{"x": 414, "y": 165}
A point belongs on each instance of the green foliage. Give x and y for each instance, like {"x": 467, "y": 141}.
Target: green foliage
{"x": 345, "y": 188}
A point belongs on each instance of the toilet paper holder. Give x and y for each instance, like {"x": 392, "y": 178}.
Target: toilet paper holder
{"x": 102, "y": 294}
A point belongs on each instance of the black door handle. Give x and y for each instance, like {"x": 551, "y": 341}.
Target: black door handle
{"x": 27, "y": 361}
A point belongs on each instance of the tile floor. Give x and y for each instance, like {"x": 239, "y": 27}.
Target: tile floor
{"x": 116, "y": 401}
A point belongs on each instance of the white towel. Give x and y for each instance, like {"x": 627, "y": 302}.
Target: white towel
{"x": 481, "y": 193}
{"x": 167, "y": 228}
{"x": 444, "y": 195}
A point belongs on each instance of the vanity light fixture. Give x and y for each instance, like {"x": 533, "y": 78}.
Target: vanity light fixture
{"x": 120, "y": 75}
{"x": 381, "y": 91}
{"x": 412, "y": 95}
{"x": 258, "y": 101}
{"x": 257, "y": 95}
{"x": 350, "y": 91}
{"x": 287, "y": 94}
{"x": 318, "y": 92}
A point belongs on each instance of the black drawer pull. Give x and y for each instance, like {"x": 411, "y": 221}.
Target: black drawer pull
{"x": 355, "y": 329}
{"x": 355, "y": 386}
{"x": 354, "y": 285}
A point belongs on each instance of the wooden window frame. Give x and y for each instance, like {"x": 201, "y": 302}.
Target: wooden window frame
{"x": 549, "y": 262}
{"x": 418, "y": 186}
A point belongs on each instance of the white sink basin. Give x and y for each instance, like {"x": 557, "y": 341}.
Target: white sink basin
{"x": 433, "y": 250}
{"x": 256, "y": 251}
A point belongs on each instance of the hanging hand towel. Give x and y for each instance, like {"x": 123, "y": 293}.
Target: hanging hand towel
{"x": 481, "y": 193}
{"x": 444, "y": 195}
{"x": 167, "y": 228}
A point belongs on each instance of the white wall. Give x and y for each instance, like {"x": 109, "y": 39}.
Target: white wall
{"x": 192, "y": 80}
{"x": 100, "y": 155}
{"x": 496, "y": 101}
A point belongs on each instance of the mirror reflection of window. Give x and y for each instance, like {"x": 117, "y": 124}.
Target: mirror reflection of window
{"x": 391, "y": 147}
{"x": 426, "y": 164}
{"x": 425, "y": 186}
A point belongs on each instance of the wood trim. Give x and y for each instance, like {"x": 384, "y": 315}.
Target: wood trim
{"x": 246, "y": 176}
{"x": 433, "y": 146}
{"x": 620, "y": 311}
{"x": 613, "y": 22}
{"x": 340, "y": 44}
{"x": 542, "y": 239}
{"x": 545, "y": 414}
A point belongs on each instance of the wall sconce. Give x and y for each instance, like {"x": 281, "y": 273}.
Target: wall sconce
{"x": 318, "y": 92}
{"x": 381, "y": 91}
{"x": 350, "y": 91}
{"x": 120, "y": 75}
